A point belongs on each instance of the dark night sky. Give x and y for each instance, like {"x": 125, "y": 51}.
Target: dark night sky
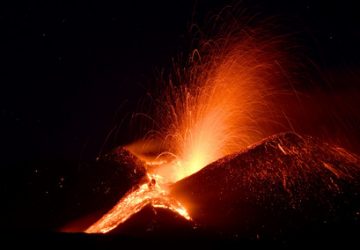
{"x": 66, "y": 69}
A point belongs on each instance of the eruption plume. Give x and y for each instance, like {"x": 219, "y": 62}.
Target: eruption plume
{"x": 223, "y": 106}
{"x": 216, "y": 105}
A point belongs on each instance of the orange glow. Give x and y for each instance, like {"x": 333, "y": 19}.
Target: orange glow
{"x": 218, "y": 108}
{"x": 224, "y": 108}
{"x": 150, "y": 192}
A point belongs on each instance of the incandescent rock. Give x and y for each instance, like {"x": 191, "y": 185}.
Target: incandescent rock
{"x": 283, "y": 185}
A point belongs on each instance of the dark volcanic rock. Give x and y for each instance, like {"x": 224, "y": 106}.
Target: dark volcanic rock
{"x": 115, "y": 173}
{"x": 153, "y": 222}
{"x": 102, "y": 184}
{"x": 285, "y": 185}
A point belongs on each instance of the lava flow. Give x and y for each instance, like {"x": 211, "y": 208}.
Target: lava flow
{"x": 216, "y": 106}
{"x": 151, "y": 192}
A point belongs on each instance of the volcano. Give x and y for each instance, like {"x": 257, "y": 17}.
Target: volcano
{"x": 282, "y": 186}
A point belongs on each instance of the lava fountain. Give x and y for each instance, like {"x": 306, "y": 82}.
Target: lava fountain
{"x": 218, "y": 104}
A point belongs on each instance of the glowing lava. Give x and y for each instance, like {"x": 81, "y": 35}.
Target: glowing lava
{"x": 212, "y": 108}
{"x": 150, "y": 192}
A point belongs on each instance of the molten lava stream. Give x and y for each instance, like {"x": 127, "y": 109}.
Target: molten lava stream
{"x": 153, "y": 192}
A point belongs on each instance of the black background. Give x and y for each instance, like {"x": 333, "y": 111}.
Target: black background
{"x": 71, "y": 70}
